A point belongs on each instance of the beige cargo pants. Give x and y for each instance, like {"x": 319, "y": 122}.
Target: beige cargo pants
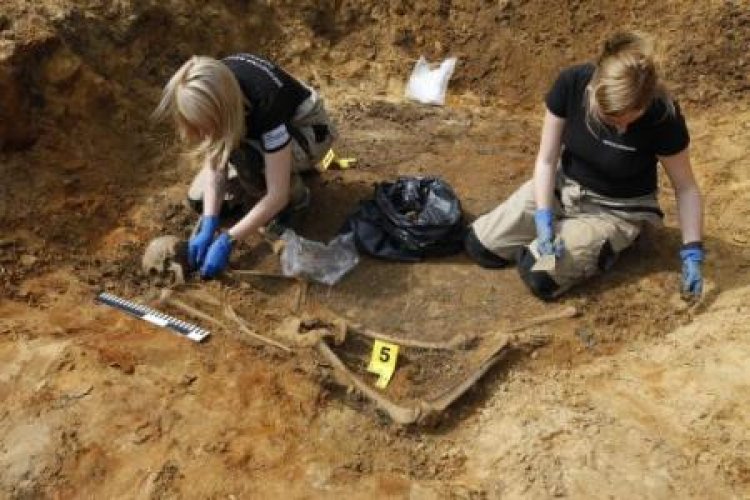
{"x": 595, "y": 229}
{"x": 312, "y": 134}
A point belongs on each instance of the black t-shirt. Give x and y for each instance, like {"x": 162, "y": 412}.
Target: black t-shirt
{"x": 609, "y": 163}
{"x": 274, "y": 96}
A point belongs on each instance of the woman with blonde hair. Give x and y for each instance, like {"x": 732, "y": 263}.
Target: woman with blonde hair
{"x": 607, "y": 126}
{"x": 253, "y": 128}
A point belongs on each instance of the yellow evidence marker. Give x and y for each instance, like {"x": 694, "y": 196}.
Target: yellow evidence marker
{"x": 330, "y": 158}
{"x": 383, "y": 362}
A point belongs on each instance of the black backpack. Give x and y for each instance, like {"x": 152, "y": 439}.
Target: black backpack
{"x": 408, "y": 220}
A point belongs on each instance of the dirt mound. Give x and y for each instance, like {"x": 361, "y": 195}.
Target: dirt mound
{"x": 98, "y": 404}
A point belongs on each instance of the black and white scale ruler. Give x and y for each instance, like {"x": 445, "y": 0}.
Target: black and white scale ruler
{"x": 154, "y": 317}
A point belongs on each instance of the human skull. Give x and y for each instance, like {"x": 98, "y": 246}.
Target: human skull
{"x": 165, "y": 260}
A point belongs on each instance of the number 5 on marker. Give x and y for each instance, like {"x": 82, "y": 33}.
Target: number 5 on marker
{"x": 383, "y": 362}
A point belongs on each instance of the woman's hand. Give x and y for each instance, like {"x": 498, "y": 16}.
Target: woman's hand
{"x": 692, "y": 277}
{"x": 217, "y": 257}
{"x": 545, "y": 233}
{"x": 199, "y": 244}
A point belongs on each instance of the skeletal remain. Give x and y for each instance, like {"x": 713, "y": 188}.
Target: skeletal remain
{"x": 399, "y": 414}
{"x": 167, "y": 297}
{"x": 259, "y": 274}
{"x": 424, "y": 410}
{"x": 165, "y": 259}
{"x": 459, "y": 341}
{"x": 229, "y": 313}
{"x": 564, "y": 313}
{"x": 301, "y": 295}
{"x": 276, "y": 243}
{"x": 307, "y": 332}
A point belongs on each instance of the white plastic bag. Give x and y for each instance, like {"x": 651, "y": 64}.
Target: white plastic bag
{"x": 323, "y": 263}
{"x": 427, "y": 85}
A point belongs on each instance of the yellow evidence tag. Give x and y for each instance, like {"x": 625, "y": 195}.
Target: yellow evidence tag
{"x": 326, "y": 161}
{"x": 383, "y": 362}
{"x": 330, "y": 158}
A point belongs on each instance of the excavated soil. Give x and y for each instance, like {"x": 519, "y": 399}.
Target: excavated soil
{"x": 637, "y": 397}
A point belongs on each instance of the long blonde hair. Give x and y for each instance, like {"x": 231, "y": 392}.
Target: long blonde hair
{"x": 205, "y": 101}
{"x": 625, "y": 79}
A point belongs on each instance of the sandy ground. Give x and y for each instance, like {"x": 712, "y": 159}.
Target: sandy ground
{"x": 638, "y": 397}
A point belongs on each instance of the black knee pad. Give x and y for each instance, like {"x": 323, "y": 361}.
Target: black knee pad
{"x": 607, "y": 257}
{"x": 480, "y": 254}
{"x": 196, "y": 205}
{"x": 540, "y": 283}
{"x": 250, "y": 165}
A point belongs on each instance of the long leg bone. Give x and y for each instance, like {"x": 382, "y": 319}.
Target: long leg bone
{"x": 399, "y": 414}
{"x": 564, "y": 313}
{"x": 440, "y": 403}
{"x": 167, "y": 298}
{"x": 424, "y": 410}
{"x": 459, "y": 341}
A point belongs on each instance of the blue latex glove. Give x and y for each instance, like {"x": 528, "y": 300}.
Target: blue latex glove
{"x": 217, "y": 257}
{"x": 198, "y": 244}
{"x": 545, "y": 233}
{"x": 692, "y": 279}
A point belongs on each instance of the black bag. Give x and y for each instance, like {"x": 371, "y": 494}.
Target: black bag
{"x": 412, "y": 218}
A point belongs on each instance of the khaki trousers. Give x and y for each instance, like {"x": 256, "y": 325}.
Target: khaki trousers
{"x": 595, "y": 229}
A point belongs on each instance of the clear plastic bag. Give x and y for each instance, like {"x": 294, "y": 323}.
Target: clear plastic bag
{"x": 317, "y": 261}
{"x": 428, "y": 85}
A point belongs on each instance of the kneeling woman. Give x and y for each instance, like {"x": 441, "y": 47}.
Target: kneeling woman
{"x": 253, "y": 128}
{"x": 606, "y": 127}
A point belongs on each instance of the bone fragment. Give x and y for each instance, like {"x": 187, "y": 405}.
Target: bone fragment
{"x": 422, "y": 411}
{"x": 400, "y": 414}
{"x": 564, "y": 313}
{"x": 259, "y": 274}
{"x": 459, "y": 341}
{"x": 301, "y": 295}
{"x": 230, "y": 314}
{"x": 293, "y": 330}
{"x": 167, "y": 297}
{"x": 277, "y": 244}
{"x": 204, "y": 296}
{"x": 441, "y": 403}
{"x": 179, "y": 273}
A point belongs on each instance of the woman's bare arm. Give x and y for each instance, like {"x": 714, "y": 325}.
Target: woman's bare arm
{"x": 278, "y": 175}
{"x": 689, "y": 204}
{"x": 215, "y": 187}
{"x": 546, "y": 160}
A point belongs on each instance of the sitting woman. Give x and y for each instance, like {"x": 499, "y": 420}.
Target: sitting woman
{"x": 606, "y": 127}
{"x": 253, "y": 128}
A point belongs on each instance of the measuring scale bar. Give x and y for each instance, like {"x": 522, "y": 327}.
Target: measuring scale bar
{"x": 189, "y": 330}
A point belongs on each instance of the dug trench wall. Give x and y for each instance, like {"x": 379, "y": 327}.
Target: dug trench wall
{"x": 97, "y": 405}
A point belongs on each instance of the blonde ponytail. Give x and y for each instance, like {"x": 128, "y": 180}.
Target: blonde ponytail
{"x": 625, "y": 79}
{"x": 207, "y": 106}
